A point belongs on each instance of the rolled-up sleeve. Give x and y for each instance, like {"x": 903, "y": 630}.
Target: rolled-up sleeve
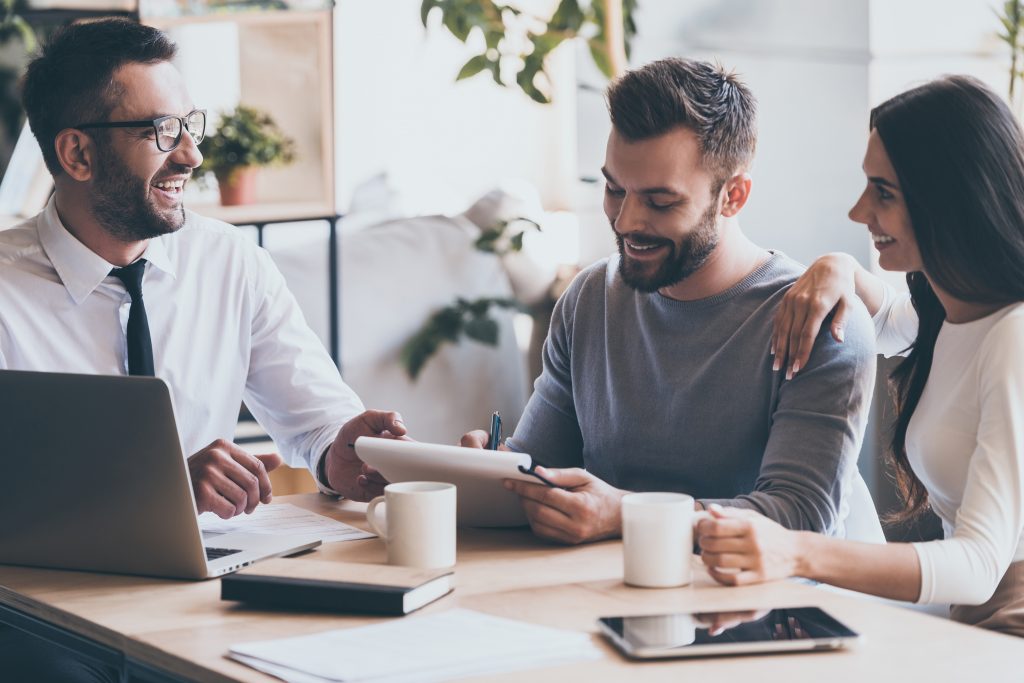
{"x": 293, "y": 387}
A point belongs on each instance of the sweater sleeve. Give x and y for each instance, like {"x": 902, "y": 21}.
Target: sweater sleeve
{"x": 966, "y": 568}
{"x": 817, "y": 428}
{"x": 549, "y": 429}
{"x": 895, "y": 323}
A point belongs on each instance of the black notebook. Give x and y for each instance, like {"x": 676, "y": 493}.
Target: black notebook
{"x": 318, "y": 585}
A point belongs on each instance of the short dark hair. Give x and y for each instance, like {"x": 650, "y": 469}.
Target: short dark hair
{"x": 71, "y": 81}
{"x": 712, "y": 102}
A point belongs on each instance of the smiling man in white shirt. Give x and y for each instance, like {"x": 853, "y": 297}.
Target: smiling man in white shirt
{"x": 119, "y": 133}
{"x": 116, "y": 277}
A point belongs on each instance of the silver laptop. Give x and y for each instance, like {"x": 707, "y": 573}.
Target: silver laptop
{"x": 93, "y": 478}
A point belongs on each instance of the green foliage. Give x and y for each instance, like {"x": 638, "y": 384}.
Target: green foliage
{"x": 470, "y": 318}
{"x": 14, "y": 25}
{"x": 245, "y": 137}
{"x": 1012, "y": 19}
{"x": 497, "y": 240}
{"x": 464, "y": 317}
{"x": 505, "y": 27}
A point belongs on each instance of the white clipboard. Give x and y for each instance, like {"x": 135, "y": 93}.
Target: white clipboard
{"x": 481, "y": 500}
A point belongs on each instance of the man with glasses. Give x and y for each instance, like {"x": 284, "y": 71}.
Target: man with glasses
{"x": 116, "y": 277}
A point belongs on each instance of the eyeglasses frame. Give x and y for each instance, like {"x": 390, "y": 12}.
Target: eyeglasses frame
{"x": 154, "y": 123}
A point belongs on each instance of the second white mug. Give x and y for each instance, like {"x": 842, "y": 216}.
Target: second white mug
{"x": 418, "y": 523}
{"x": 657, "y": 539}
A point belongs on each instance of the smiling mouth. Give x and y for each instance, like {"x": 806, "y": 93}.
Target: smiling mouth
{"x": 642, "y": 247}
{"x": 170, "y": 185}
{"x": 882, "y": 239}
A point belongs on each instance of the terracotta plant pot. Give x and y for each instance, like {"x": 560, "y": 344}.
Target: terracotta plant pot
{"x": 238, "y": 187}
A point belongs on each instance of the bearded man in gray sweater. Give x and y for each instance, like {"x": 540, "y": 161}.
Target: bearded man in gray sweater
{"x": 658, "y": 373}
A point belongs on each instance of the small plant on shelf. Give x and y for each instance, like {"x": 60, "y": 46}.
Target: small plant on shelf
{"x": 246, "y": 140}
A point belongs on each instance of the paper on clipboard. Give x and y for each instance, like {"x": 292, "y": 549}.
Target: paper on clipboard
{"x": 482, "y": 501}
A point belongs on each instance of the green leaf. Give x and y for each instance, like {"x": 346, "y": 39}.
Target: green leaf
{"x": 516, "y": 243}
{"x": 425, "y": 8}
{"x": 483, "y": 330}
{"x": 457, "y": 24}
{"x": 28, "y": 36}
{"x": 478, "y": 308}
{"x": 496, "y": 72}
{"x": 472, "y": 67}
{"x": 525, "y": 80}
{"x": 568, "y": 16}
{"x": 447, "y": 323}
{"x": 599, "y": 53}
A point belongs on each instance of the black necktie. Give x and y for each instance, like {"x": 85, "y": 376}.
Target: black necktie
{"x": 140, "y": 346}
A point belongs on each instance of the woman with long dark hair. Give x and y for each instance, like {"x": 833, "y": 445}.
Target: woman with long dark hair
{"x": 944, "y": 203}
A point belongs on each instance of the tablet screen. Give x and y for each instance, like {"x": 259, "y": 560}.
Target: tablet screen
{"x": 670, "y": 634}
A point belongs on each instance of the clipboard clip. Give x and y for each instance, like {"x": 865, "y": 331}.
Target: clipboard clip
{"x": 533, "y": 473}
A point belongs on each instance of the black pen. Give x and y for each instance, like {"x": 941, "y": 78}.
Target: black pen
{"x": 495, "y": 439}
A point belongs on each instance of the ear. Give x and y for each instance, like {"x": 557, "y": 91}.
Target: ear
{"x": 76, "y": 153}
{"x": 736, "y": 191}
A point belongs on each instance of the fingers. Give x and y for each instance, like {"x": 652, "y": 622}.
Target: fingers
{"x": 372, "y": 474}
{"x": 258, "y": 484}
{"x": 560, "y": 499}
{"x": 781, "y": 327}
{"x": 734, "y": 578}
{"x": 551, "y": 523}
{"x": 799, "y": 318}
{"x": 569, "y": 478}
{"x": 552, "y": 533}
{"x": 379, "y": 421}
{"x": 723, "y": 544}
{"x": 209, "y": 499}
{"x": 271, "y": 461}
{"x": 729, "y": 560}
{"x": 477, "y": 438}
{"x": 371, "y": 487}
{"x": 224, "y": 474}
{"x": 839, "y": 321}
{"x": 816, "y": 314}
{"x": 724, "y": 527}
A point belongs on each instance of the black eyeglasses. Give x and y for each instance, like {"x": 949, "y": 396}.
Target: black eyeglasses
{"x": 167, "y": 129}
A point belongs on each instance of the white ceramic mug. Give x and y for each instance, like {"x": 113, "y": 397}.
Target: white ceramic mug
{"x": 657, "y": 539}
{"x": 417, "y": 521}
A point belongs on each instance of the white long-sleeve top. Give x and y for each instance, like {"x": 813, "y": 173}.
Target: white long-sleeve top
{"x": 965, "y": 443}
{"x": 224, "y": 328}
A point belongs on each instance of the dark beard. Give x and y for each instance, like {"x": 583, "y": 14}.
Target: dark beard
{"x": 120, "y": 206}
{"x": 683, "y": 260}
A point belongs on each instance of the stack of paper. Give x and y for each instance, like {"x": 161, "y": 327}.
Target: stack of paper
{"x": 439, "y": 647}
{"x": 281, "y": 519}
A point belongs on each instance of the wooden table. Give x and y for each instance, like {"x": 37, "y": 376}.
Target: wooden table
{"x": 163, "y": 630}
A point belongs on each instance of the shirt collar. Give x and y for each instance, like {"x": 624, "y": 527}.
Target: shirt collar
{"x": 81, "y": 269}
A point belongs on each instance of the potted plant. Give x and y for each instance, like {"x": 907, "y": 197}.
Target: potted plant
{"x": 245, "y": 140}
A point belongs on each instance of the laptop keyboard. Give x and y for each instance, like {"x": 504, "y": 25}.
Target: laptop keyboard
{"x": 217, "y": 553}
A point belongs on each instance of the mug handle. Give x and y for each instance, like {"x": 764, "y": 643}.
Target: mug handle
{"x": 381, "y": 529}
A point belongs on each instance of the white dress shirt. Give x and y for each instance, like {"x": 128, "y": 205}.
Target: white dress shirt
{"x": 966, "y": 445}
{"x": 224, "y": 328}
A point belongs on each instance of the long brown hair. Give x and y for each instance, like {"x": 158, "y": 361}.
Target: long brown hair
{"x": 958, "y": 152}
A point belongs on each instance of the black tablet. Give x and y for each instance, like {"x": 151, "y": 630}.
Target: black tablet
{"x": 740, "y": 632}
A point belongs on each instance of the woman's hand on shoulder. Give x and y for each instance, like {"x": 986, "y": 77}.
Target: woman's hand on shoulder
{"x": 828, "y": 285}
